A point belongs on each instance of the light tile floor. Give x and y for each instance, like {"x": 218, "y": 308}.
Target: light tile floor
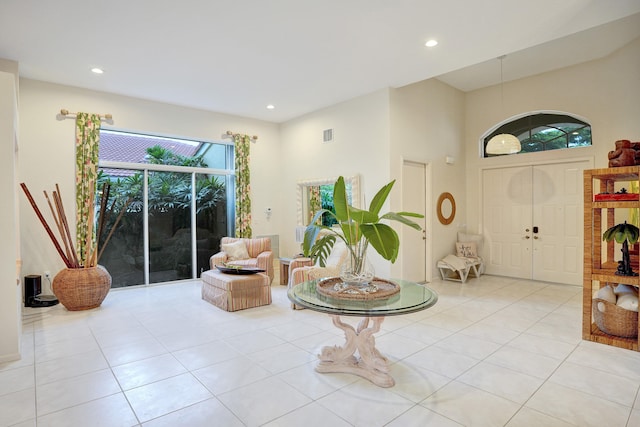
{"x": 492, "y": 352}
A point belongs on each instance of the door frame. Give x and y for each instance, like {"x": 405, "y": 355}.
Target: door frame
{"x": 428, "y": 216}
{"x": 588, "y": 159}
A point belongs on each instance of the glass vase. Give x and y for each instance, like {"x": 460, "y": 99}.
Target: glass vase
{"x": 358, "y": 273}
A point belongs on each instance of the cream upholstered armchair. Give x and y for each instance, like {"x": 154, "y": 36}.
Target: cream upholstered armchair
{"x": 245, "y": 252}
{"x": 466, "y": 260}
{"x": 303, "y": 269}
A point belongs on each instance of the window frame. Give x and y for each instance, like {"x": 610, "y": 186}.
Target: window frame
{"x": 526, "y": 123}
{"x": 145, "y": 168}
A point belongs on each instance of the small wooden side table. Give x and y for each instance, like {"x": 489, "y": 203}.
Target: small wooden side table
{"x": 284, "y": 270}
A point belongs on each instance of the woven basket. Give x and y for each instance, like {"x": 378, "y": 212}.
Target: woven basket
{"x": 82, "y": 288}
{"x": 615, "y": 320}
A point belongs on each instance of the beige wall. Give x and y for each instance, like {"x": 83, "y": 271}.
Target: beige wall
{"x": 427, "y": 126}
{"x": 47, "y": 152}
{"x": 360, "y": 146}
{"x": 374, "y": 133}
{"x": 604, "y": 92}
{"x": 10, "y": 290}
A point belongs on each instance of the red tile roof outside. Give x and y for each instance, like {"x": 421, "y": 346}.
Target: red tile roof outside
{"x": 131, "y": 148}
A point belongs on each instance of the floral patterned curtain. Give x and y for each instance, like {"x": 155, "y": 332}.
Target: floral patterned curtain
{"x": 243, "y": 186}
{"x": 315, "y": 202}
{"x": 87, "y": 142}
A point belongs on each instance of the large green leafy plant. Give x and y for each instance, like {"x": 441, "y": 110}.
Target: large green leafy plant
{"x": 358, "y": 228}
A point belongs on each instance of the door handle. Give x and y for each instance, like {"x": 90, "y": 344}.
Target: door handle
{"x": 527, "y": 237}
{"x": 536, "y": 237}
{"x": 424, "y": 234}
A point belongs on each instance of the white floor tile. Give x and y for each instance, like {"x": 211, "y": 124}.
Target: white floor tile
{"x": 110, "y": 411}
{"x": 470, "y": 406}
{"x": 424, "y": 332}
{"x": 292, "y": 331}
{"x": 311, "y": 415}
{"x": 492, "y": 333}
{"x": 313, "y": 384}
{"x": 73, "y": 391}
{"x": 13, "y": 380}
{"x": 17, "y": 407}
{"x": 203, "y": 414}
{"x": 415, "y": 383}
{"x": 143, "y": 349}
{"x": 578, "y": 408}
{"x": 421, "y": 417}
{"x": 71, "y": 366}
{"x": 634, "y": 418}
{"x": 603, "y": 384}
{"x": 65, "y": 348}
{"x": 349, "y": 403}
{"x": 231, "y": 374}
{"x": 527, "y": 417}
{"x": 282, "y": 357}
{"x": 142, "y": 372}
{"x": 251, "y": 405}
{"x": 544, "y": 346}
{"x": 442, "y": 361}
{"x": 503, "y": 382}
{"x": 463, "y": 343}
{"x": 521, "y": 361}
{"x": 162, "y": 397}
{"x": 204, "y": 355}
{"x": 251, "y": 342}
{"x": 494, "y": 351}
{"x": 396, "y": 347}
{"x": 602, "y": 357}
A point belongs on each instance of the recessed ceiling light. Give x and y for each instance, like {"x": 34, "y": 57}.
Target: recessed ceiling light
{"x": 270, "y": 107}
{"x": 97, "y": 70}
{"x": 431, "y": 43}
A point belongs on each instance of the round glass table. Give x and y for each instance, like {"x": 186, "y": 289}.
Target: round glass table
{"x": 369, "y": 363}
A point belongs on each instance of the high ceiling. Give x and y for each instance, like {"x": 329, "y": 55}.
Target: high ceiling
{"x": 238, "y": 56}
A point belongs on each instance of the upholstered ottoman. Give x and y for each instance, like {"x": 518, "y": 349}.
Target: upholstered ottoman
{"x": 232, "y": 292}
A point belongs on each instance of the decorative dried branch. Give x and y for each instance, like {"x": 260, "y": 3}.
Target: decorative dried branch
{"x": 46, "y": 226}
{"x": 57, "y": 198}
{"x": 113, "y": 228}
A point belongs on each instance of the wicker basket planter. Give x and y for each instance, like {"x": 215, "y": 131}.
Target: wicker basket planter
{"x": 615, "y": 320}
{"x": 82, "y": 288}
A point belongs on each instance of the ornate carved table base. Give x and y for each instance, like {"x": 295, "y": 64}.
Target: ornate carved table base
{"x": 370, "y": 364}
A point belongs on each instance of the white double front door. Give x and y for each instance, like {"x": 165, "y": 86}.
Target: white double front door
{"x": 533, "y": 221}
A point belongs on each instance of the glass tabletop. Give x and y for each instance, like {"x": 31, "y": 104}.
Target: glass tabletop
{"x": 411, "y": 298}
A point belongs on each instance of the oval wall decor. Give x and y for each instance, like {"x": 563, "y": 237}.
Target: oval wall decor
{"x": 449, "y": 219}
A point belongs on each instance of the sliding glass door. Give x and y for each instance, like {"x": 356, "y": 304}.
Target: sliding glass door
{"x": 185, "y": 214}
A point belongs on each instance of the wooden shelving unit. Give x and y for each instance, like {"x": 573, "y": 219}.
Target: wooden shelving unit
{"x": 600, "y": 263}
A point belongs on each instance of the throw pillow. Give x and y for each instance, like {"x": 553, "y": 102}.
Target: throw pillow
{"x": 607, "y": 294}
{"x": 625, "y": 289}
{"x": 628, "y": 302}
{"x": 236, "y": 250}
{"x": 469, "y": 237}
{"x": 466, "y": 249}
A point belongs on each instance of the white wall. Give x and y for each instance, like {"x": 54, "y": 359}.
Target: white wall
{"x": 10, "y": 289}
{"x": 427, "y": 125}
{"x": 421, "y": 122}
{"x": 361, "y": 146}
{"x": 47, "y": 153}
{"x": 605, "y": 92}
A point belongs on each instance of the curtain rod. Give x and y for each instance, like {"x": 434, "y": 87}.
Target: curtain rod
{"x": 64, "y": 112}
{"x": 254, "y": 138}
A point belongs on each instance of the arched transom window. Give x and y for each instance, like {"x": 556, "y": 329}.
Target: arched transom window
{"x": 543, "y": 132}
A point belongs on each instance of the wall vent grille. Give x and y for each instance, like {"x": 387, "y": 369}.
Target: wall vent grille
{"x": 327, "y": 136}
